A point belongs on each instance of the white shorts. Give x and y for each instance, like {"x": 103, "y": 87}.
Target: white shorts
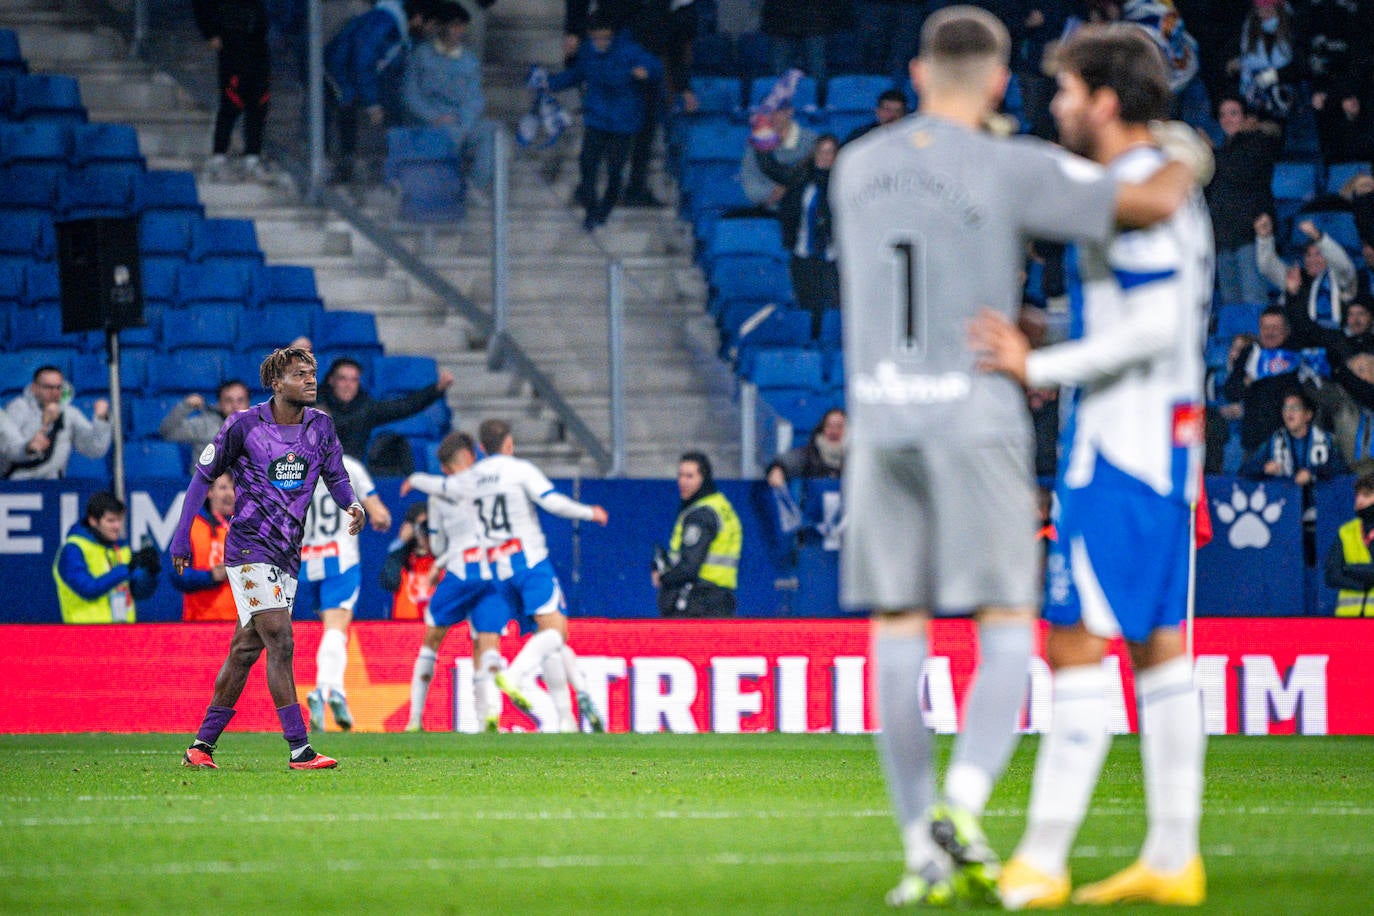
{"x": 259, "y": 587}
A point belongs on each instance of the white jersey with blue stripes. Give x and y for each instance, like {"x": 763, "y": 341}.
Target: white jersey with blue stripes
{"x": 326, "y": 526}
{"x": 1139, "y": 312}
{"x": 506, "y": 491}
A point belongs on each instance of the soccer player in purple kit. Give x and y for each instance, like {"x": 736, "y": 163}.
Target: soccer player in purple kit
{"x": 276, "y": 451}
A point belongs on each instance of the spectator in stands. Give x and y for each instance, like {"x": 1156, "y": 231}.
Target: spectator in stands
{"x": 1269, "y": 374}
{"x": 475, "y": 39}
{"x": 1356, "y": 334}
{"x": 891, "y": 107}
{"x": 1042, "y": 23}
{"x": 889, "y": 34}
{"x": 46, "y": 428}
{"x": 821, "y": 457}
{"x": 774, "y": 131}
{"x": 236, "y": 30}
{"x": 1364, "y": 274}
{"x": 355, "y": 412}
{"x": 804, "y": 211}
{"x": 443, "y": 89}
{"x": 409, "y": 571}
{"x": 204, "y": 586}
{"x": 98, "y": 577}
{"x": 611, "y": 66}
{"x": 665, "y": 28}
{"x": 1349, "y": 566}
{"x": 1350, "y": 406}
{"x": 1337, "y": 66}
{"x": 698, "y": 573}
{"x": 1323, "y": 283}
{"x": 189, "y": 422}
{"x": 1299, "y": 451}
{"x": 1359, "y": 190}
{"x": 1238, "y": 194}
{"x": 1222, "y": 413}
{"x": 363, "y": 63}
{"x": 798, "y": 29}
{"x": 1266, "y": 65}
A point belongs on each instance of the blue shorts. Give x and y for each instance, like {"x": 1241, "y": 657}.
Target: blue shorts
{"x": 456, "y": 599}
{"x": 1120, "y": 563}
{"x": 335, "y": 590}
{"x": 538, "y": 589}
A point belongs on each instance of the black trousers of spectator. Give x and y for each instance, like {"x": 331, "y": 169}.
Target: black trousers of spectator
{"x": 642, "y": 150}
{"x": 816, "y": 284}
{"x": 697, "y": 599}
{"x": 613, "y": 149}
{"x": 245, "y": 80}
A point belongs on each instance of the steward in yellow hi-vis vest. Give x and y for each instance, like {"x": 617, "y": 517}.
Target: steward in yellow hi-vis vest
{"x": 98, "y": 578}
{"x": 1349, "y": 566}
{"x": 697, "y": 575}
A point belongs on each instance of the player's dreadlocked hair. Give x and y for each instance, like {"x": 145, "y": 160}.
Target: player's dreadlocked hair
{"x": 454, "y": 443}
{"x": 492, "y": 434}
{"x": 274, "y": 366}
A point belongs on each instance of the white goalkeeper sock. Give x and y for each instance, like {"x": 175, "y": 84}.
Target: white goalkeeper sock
{"x": 1172, "y": 749}
{"x": 1066, "y": 767}
{"x": 331, "y": 660}
{"x": 531, "y": 656}
{"x": 420, "y": 680}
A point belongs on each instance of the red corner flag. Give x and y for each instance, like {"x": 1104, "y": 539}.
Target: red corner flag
{"x": 1202, "y": 525}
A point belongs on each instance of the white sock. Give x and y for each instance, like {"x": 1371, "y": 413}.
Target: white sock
{"x": 420, "y": 680}
{"x": 556, "y": 678}
{"x": 486, "y": 697}
{"x": 531, "y": 656}
{"x": 1172, "y": 748}
{"x": 331, "y": 660}
{"x": 579, "y": 683}
{"x": 1066, "y": 767}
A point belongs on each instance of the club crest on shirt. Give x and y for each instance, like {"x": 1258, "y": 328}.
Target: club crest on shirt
{"x": 287, "y": 472}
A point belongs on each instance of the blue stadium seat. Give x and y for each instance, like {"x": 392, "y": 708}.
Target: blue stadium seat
{"x": 788, "y": 367}
{"x": 91, "y": 372}
{"x": 166, "y": 232}
{"x": 11, "y": 58}
{"x": 421, "y": 162}
{"x": 215, "y": 283}
{"x": 1300, "y": 139}
{"x": 772, "y": 326}
{"x": 27, "y": 234}
{"x": 42, "y": 327}
{"x": 247, "y": 368}
{"x": 712, "y": 186}
{"x": 844, "y": 123}
{"x": 185, "y": 372}
{"x": 169, "y": 190}
{"x": 397, "y": 374}
{"x": 105, "y": 143}
{"x": 429, "y": 451}
{"x": 92, "y": 195}
{"x": 831, "y": 336}
{"x": 716, "y": 94}
{"x": 155, "y": 459}
{"x": 36, "y": 151}
{"x": 803, "y": 408}
{"x": 49, "y": 97}
{"x": 351, "y": 331}
{"x": 79, "y": 467}
{"x": 7, "y": 81}
{"x": 278, "y": 283}
{"x": 804, "y": 99}
{"x": 35, "y": 192}
{"x": 1339, "y": 173}
{"x": 857, "y": 93}
{"x": 205, "y": 327}
{"x": 159, "y": 279}
{"x": 16, "y": 371}
{"x": 427, "y": 424}
{"x": 834, "y": 365}
{"x": 746, "y": 236}
{"x": 267, "y": 329}
{"x": 11, "y": 284}
{"x": 144, "y": 338}
{"x": 42, "y": 285}
{"x": 1217, "y": 351}
{"x": 33, "y": 357}
{"x": 751, "y": 278}
{"x": 1338, "y": 224}
{"x": 1294, "y": 181}
{"x": 716, "y": 142}
{"x": 145, "y": 414}
{"x": 1238, "y": 318}
{"x": 225, "y": 240}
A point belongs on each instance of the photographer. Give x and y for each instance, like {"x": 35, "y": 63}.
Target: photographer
{"x": 98, "y": 577}
{"x": 697, "y": 575}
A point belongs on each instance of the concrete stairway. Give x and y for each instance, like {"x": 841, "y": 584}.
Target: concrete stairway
{"x": 679, "y": 395}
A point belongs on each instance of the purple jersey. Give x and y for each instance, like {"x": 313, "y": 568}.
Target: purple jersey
{"x": 275, "y": 469}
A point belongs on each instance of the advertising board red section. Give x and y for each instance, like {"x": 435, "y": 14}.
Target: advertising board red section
{"x": 1257, "y": 676}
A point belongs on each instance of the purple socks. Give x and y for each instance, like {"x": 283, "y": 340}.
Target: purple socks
{"x": 293, "y": 725}
{"x": 216, "y": 720}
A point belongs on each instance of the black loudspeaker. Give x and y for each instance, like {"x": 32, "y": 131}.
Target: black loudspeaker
{"x": 102, "y": 286}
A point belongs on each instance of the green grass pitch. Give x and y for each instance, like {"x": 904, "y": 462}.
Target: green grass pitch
{"x": 497, "y": 824}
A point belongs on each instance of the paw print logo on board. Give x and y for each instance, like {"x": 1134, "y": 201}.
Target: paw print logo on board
{"x": 1248, "y": 516}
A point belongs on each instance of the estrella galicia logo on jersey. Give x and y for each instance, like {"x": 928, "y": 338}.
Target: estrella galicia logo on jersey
{"x": 287, "y": 472}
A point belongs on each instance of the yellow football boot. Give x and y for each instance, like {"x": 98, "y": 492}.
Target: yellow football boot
{"x": 1025, "y": 887}
{"x": 1141, "y": 884}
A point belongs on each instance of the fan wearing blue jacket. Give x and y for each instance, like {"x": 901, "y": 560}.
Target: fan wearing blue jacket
{"x": 610, "y": 66}
{"x": 363, "y": 68}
